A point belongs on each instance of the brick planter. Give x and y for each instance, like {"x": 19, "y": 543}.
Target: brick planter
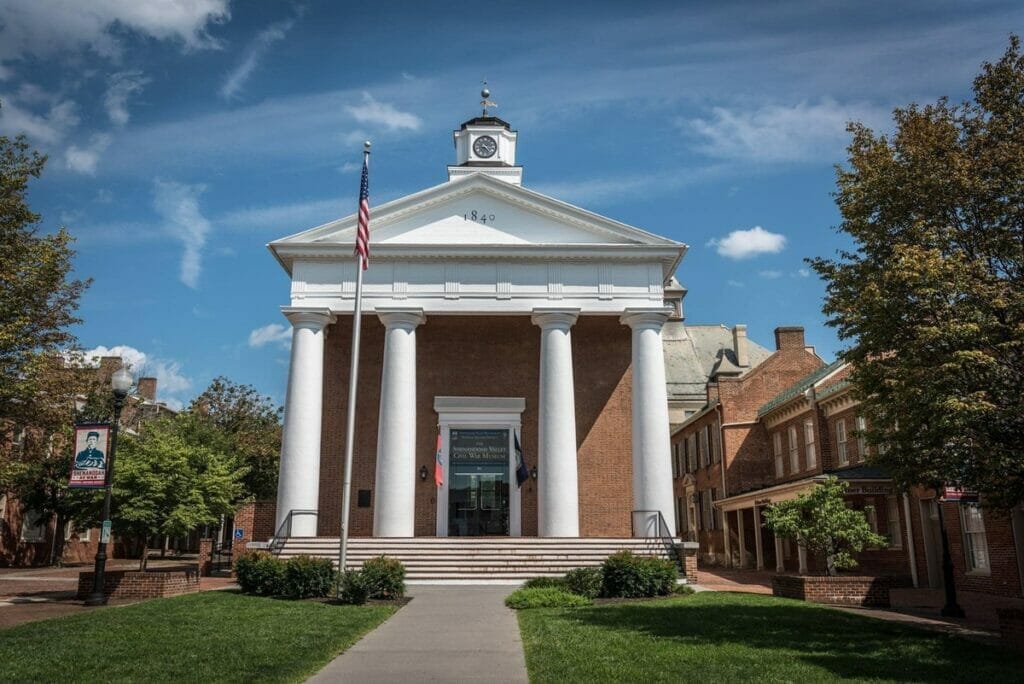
{"x": 133, "y": 584}
{"x": 687, "y": 553}
{"x": 868, "y": 592}
{"x": 1011, "y": 626}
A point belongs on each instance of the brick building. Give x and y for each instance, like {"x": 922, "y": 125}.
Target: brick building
{"x": 29, "y": 538}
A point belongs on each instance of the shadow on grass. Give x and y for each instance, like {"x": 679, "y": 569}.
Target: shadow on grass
{"x": 843, "y": 644}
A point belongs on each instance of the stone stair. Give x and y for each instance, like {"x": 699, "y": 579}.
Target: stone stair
{"x": 476, "y": 558}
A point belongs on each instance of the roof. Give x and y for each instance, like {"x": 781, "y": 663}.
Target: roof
{"x": 834, "y": 383}
{"x": 862, "y": 472}
{"x": 798, "y": 388}
{"x": 485, "y": 121}
{"x": 692, "y": 353}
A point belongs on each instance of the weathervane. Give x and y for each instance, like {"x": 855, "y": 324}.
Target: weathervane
{"x": 485, "y": 103}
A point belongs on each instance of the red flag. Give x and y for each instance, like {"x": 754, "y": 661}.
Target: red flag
{"x": 363, "y": 231}
{"x": 439, "y": 464}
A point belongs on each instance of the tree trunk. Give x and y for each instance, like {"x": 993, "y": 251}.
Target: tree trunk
{"x": 145, "y": 553}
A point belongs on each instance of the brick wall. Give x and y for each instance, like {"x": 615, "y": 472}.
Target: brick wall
{"x": 872, "y": 592}
{"x": 133, "y": 584}
{"x": 485, "y": 356}
{"x": 1011, "y": 627}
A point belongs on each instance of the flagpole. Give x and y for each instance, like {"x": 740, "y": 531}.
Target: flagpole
{"x": 357, "y": 313}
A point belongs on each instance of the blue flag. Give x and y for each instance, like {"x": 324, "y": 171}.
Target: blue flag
{"x": 522, "y": 472}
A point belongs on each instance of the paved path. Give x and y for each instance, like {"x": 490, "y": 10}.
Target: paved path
{"x": 445, "y": 634}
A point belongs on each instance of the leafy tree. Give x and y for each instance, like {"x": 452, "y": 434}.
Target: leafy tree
{"x": 824, "y": 524}
{"x": 931, "y": 297}
{"x": 166, "y": 484}
{"x": 37, "y": 298}
{"x": 244, "y": 423}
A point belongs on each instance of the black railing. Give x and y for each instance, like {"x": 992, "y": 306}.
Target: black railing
{"x": 284, "y": 530}
{"x": 652, "y": 525}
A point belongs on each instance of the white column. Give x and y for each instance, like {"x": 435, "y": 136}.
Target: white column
{"x": 395, "y": 505}
{"x": 298, "y": 486}
{"x": 801, "y": 553}
{"x": 758, "y": 551}
{"x": 741, "y": 533}
{"x": 780, "y": 562}
{"x": 558, "y": 509}
{"x": 725, "y": 536}
{"x": 652, "y": 461}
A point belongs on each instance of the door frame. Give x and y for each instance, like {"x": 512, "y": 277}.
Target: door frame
{"x": 480, "y": 413}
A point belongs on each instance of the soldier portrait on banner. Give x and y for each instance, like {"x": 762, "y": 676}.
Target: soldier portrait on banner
{"x": 89, "y": 467}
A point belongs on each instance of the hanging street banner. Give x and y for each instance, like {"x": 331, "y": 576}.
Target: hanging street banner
{"x": 957, "y": 495}
{"x": 89, "y": 468}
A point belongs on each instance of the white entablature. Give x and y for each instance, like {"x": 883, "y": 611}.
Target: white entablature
{"x": 481, "y": 245}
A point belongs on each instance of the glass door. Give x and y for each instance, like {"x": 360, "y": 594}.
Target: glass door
{"x": 478, "y": 487}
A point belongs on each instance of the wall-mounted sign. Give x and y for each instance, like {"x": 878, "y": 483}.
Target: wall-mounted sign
{"x": 89, "y": 467}
{"x": 957, "y": 495}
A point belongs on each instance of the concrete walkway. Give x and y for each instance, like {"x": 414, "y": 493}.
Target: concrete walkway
{"x": 445, "y": 634}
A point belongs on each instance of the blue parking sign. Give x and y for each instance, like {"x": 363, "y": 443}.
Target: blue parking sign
{"x": 239, "y": 532}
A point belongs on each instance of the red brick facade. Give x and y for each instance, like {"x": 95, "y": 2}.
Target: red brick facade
{"x": 495, "y": 356}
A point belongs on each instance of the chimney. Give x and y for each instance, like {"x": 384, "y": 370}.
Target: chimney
{"x": 147, "y": 388}
{"x": 739, "y": 345}
{"x": 789, "y": 337}
{"x": 108, "y": 366}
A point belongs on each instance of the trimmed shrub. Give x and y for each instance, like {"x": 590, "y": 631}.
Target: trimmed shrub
{"x": 545, "y": 597}
{"x": 260, "y": 573}
{"x": 628, "y": 576}
{"x": 384, "y": 578}
{"x": 352, "y": 588}
{"x": 544, "y": 583}
{"x": 584, "y": 582}
{"x": 683, "y": 590}
{"x": 307, "y": 577}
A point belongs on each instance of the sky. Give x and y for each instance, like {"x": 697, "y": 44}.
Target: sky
{"x": 183, "y": 136}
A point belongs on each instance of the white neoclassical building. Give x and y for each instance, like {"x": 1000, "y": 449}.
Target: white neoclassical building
{"x": 494, "y": 316}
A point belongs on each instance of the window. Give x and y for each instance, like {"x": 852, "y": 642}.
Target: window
{"x": 675, "y": 461}
{"x": 716, "y": 443}
{"x": 707, "y": 514}
{"x": 794, "y": 450}
{"x": 18, "y": 439}
{"x": 975, "y": 542}
{"x": 703, "y": 448}
{"x": 692, "y": 442}
{"x": 841, "y": 454}
{"x": 680, "y": 517}
{"x": 70, "y": 531}
{"x": 686, "y": 455}
{"x": 862, "y": 440}
{"x": 780, "y": 469}
{"x": 33, "y": 527}
{"x": 892, "y": 514}
{"x": 718, "y": 514}
{"x": 812, "y": 455}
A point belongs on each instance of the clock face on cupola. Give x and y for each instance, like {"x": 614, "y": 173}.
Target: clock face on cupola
{"x": 486, "y": 144}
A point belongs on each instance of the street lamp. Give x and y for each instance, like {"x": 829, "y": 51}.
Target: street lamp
{"x": 120, "y": 382}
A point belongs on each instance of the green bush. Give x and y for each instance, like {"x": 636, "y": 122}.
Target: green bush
{"x": 628, "y": 576}
{"x": 384, "y": 578}
{"x": 545, "y": 583}
{"x": 545, "y": 597}
{"x": 306, "y": 577}
{"x": 584, "y": 581}
{"x": 683, "y": 590}
{"x": 260, "y": 573}
{"x": 352, "y": 588}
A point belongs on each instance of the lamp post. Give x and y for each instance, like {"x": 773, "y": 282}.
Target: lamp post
{"x": 119, "y": 382}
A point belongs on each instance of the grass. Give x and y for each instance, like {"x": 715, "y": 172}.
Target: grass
{"x": 211, "y": 636}
{"x": 729, "y": 637}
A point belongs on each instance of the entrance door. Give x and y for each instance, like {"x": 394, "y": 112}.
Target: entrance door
{"x": 932, "y": 541}
{"x": 478, "y": 488}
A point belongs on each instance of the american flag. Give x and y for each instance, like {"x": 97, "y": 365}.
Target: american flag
{"x": 363, "y": 231}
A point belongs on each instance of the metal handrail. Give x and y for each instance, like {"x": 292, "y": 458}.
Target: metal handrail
{"x": 284, "y": 530}
{"x": 662, "y": 533}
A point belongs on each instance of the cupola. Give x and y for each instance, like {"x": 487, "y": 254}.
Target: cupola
{"x": 486, "y": 144}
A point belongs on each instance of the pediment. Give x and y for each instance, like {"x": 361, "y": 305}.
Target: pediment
{"x": 480, "y": 210}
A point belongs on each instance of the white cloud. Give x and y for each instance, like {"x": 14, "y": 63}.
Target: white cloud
{"x": 170, "y": 378}
{"x": 770, "y": 275}
{"x": 85, "y": 159}
{"x": 46, "y": 128}
{"x": 734, "y": 283}
{"x": 122, "y": 86}
{"x": 275, "y": 333}
{"x": 178, "y": 205}
{"x": 283, "y": 218}
{"x": 253, "y": 54}
{"x": 743, "y": 244}
{"x": 777, "y": 133}
{"x": 47, "y": 27}
{"x": 803, "y": 273}
{"x": 382, "y": 114}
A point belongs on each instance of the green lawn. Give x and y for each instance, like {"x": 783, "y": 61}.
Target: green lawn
{"x": 213, "y": 636}
{"x": 725, "y": 637}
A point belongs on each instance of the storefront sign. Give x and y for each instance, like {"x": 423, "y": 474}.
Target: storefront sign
{"x": 478, "y": 446}
{"x": 89, "y": 467}
{"x": 957, "y": 495}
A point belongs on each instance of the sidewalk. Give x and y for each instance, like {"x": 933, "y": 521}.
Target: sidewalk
{"x": 445, "y": 634}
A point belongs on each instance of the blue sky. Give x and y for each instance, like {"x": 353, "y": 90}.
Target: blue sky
{"x": 184, "y": 136}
